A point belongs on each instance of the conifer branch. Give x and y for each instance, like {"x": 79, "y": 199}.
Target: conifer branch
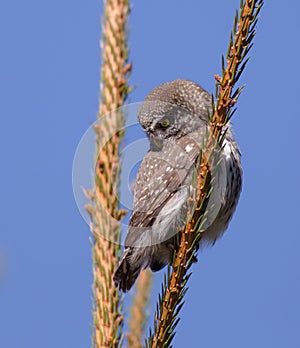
{"x": 175, "y": 284}
{"x": 241, "y": 37}
{"x": 138, "y": 310}
{"x": 104, "y": 207}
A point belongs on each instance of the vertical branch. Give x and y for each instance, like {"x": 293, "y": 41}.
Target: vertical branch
{"x": 104, "y": 208}
{"x": 174, "y": 287}
{"x": 138, "y": 315}
{"x": 237, "y": 57}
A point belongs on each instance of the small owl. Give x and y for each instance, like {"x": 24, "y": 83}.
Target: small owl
{"x": 175, "y": 116}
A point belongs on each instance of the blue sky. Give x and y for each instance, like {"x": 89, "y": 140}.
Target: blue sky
{"x": 245, "y": 290}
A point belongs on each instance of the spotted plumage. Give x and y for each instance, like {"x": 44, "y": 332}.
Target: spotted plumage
{"x": 175, "y": 116}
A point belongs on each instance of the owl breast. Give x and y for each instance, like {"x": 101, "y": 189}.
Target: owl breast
{"x": 228, "y": 195}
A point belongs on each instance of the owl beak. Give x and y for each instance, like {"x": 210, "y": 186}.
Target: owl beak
{"x": 155, "y": 143}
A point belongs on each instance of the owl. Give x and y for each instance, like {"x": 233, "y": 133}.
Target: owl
{"x": 175, "y": 116}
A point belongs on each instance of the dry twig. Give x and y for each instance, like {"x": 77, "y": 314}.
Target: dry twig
{"x": 104, "y": 207}
{"x": 138, "y": 314}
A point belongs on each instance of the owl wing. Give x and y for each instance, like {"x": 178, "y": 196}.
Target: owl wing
{"x": 159, "y": 179}
{"x": 154, "y": 186}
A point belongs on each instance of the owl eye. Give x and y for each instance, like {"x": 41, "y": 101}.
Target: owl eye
{"x": 165, "y": 123}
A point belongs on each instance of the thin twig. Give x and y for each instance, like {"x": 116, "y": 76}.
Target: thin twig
{"x": 138, "y": 310}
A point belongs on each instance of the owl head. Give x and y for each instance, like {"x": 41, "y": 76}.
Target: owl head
{"x": 174, "y": 109}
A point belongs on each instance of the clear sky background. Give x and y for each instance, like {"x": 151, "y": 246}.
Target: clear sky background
{"x": 245, "y": 290}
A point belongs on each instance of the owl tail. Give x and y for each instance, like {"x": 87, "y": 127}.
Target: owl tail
{"x": 127, "y": 271}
